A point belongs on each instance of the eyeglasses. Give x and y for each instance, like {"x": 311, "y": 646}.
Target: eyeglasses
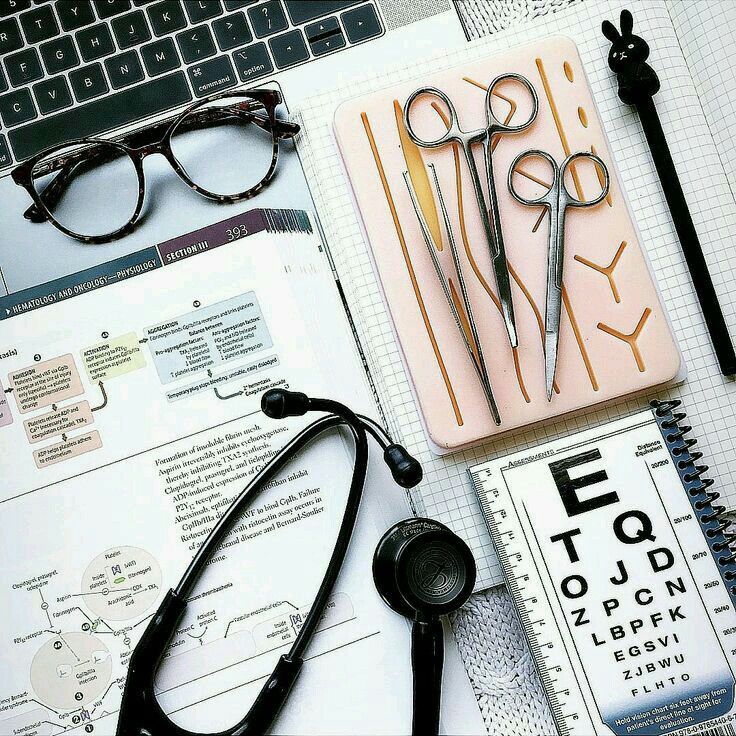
{"x": 93, "y": 189}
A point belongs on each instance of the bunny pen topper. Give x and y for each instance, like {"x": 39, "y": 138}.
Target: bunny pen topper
{"x": 637, "y": 85}
{"x": 627, "y": 58}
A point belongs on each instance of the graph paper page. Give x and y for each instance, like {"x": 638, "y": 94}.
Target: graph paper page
{"x": 446, "y": 493}
{"x": 705, "y": 30}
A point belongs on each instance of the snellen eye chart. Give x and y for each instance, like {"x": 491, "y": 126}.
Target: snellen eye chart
{"x": 618, "y": 565}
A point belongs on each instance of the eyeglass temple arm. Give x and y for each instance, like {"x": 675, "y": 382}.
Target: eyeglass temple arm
{"x": 283, "y": 129}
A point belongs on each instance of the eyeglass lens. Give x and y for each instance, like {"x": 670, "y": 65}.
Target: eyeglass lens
{"x": 232, "y": 154}
{"x": 94, "y": 195}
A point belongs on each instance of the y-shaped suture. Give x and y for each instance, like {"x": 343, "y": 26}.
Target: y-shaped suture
{"x": 631, "y": 338}
{"x": 608, "y": 270}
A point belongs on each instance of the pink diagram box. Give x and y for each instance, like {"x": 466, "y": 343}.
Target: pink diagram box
{"x": 6, "y": 417}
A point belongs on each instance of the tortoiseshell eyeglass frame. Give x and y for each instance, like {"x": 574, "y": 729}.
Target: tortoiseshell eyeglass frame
{"x": 258, "y": 107}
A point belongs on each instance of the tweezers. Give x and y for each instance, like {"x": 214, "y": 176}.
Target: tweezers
{"x": 475, "y": 352}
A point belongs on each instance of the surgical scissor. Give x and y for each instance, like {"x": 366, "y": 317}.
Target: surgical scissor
{"x": 556, "y": 199}
{"x": 490, "y": 216}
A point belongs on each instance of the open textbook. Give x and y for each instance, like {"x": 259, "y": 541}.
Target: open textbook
{"x": 685, "y": 107}
{"x": 129, "y": 418}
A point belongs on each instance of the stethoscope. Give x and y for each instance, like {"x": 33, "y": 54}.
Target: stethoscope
{"x": 421, "y": 569}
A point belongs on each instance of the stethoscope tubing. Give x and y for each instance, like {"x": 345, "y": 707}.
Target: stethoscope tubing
{"x": 146, "y": 716}
{"x": 345, "y": 533}
{"x": 250, "y": 493}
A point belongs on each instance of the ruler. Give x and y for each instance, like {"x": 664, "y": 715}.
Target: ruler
{"x": 534, "y": 609}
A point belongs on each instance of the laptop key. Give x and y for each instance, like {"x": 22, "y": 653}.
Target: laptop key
{"x": 166, "y": 17}
{"x": 88, "y": 82}
{"x": 252, "y": 62}
{"x": 3, "y": 81}
{"x": 302, "y": 12}
{"x": 325, "y": 36}
{"x": 124, "y": 69}
{"x": 324, "y": 45}
{"x": 95, "y": 42}
{"x": 201, "y": 10}
{"x": 75, "y": 14}
{"x": 104, "y": 113}
{"x": 288, "y": 49}
{"x": 361, "y": 23}
{"x": 13, "y": 6}
{"x": 160, "y": 57}
{"x": 59, "y": 55}
{"x": 131, "y": 30}
{"x": 322, "y": 28}
{"x": 212, "y": 76}
{"x": 268, "y": 18}
{"x": 23, "y": 67}
{"x": 232, "y": 31}
{"x": 17, "y": 107}
{"x": 52, "y": 95}
{"x": 39, "y": 24}
{"x": 10, "y": 38}
{"x": 108, "y": 8}
{"x": 238, "y": 4}
{"x": 5, "y": 159}
{"x": 196, "y": 43}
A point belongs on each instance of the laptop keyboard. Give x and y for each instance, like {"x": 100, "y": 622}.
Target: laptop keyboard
{"x": 75, "y": 68}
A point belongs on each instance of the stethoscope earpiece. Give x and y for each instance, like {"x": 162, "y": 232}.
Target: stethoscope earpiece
{"x": 279, "y": 403}
{"x": 423, "y": 571}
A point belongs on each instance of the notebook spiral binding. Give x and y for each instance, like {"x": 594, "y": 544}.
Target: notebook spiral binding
{"x": 721, "y": 541}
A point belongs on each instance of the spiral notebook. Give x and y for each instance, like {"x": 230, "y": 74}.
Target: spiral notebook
{"x": 619, "y": 561}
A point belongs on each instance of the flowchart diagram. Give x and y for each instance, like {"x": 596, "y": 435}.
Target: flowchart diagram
{"x": 186, "y": 351}
{"x": 82, "y": 641}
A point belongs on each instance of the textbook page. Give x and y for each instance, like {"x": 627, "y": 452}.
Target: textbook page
{"x": 446, "y": 493}
{"x": 706, "y": 31}
{"x": 129, "y": 419}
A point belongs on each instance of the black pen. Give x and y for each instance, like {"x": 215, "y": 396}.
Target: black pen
{"x": 637, "y": 85}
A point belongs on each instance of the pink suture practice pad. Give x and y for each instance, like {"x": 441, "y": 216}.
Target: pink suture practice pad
{"x": 615, "y": 338}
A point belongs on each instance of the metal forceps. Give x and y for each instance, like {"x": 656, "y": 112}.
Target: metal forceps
{"x": 490, "y": 217}
{"x": 557, "y": 199}
{"x": 474, "y": 348}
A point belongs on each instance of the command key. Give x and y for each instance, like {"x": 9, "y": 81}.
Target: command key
{"x": 211, "y": 76}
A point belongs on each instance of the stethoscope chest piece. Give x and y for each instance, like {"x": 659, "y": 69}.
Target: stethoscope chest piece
{"x": 422, "y": 569}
